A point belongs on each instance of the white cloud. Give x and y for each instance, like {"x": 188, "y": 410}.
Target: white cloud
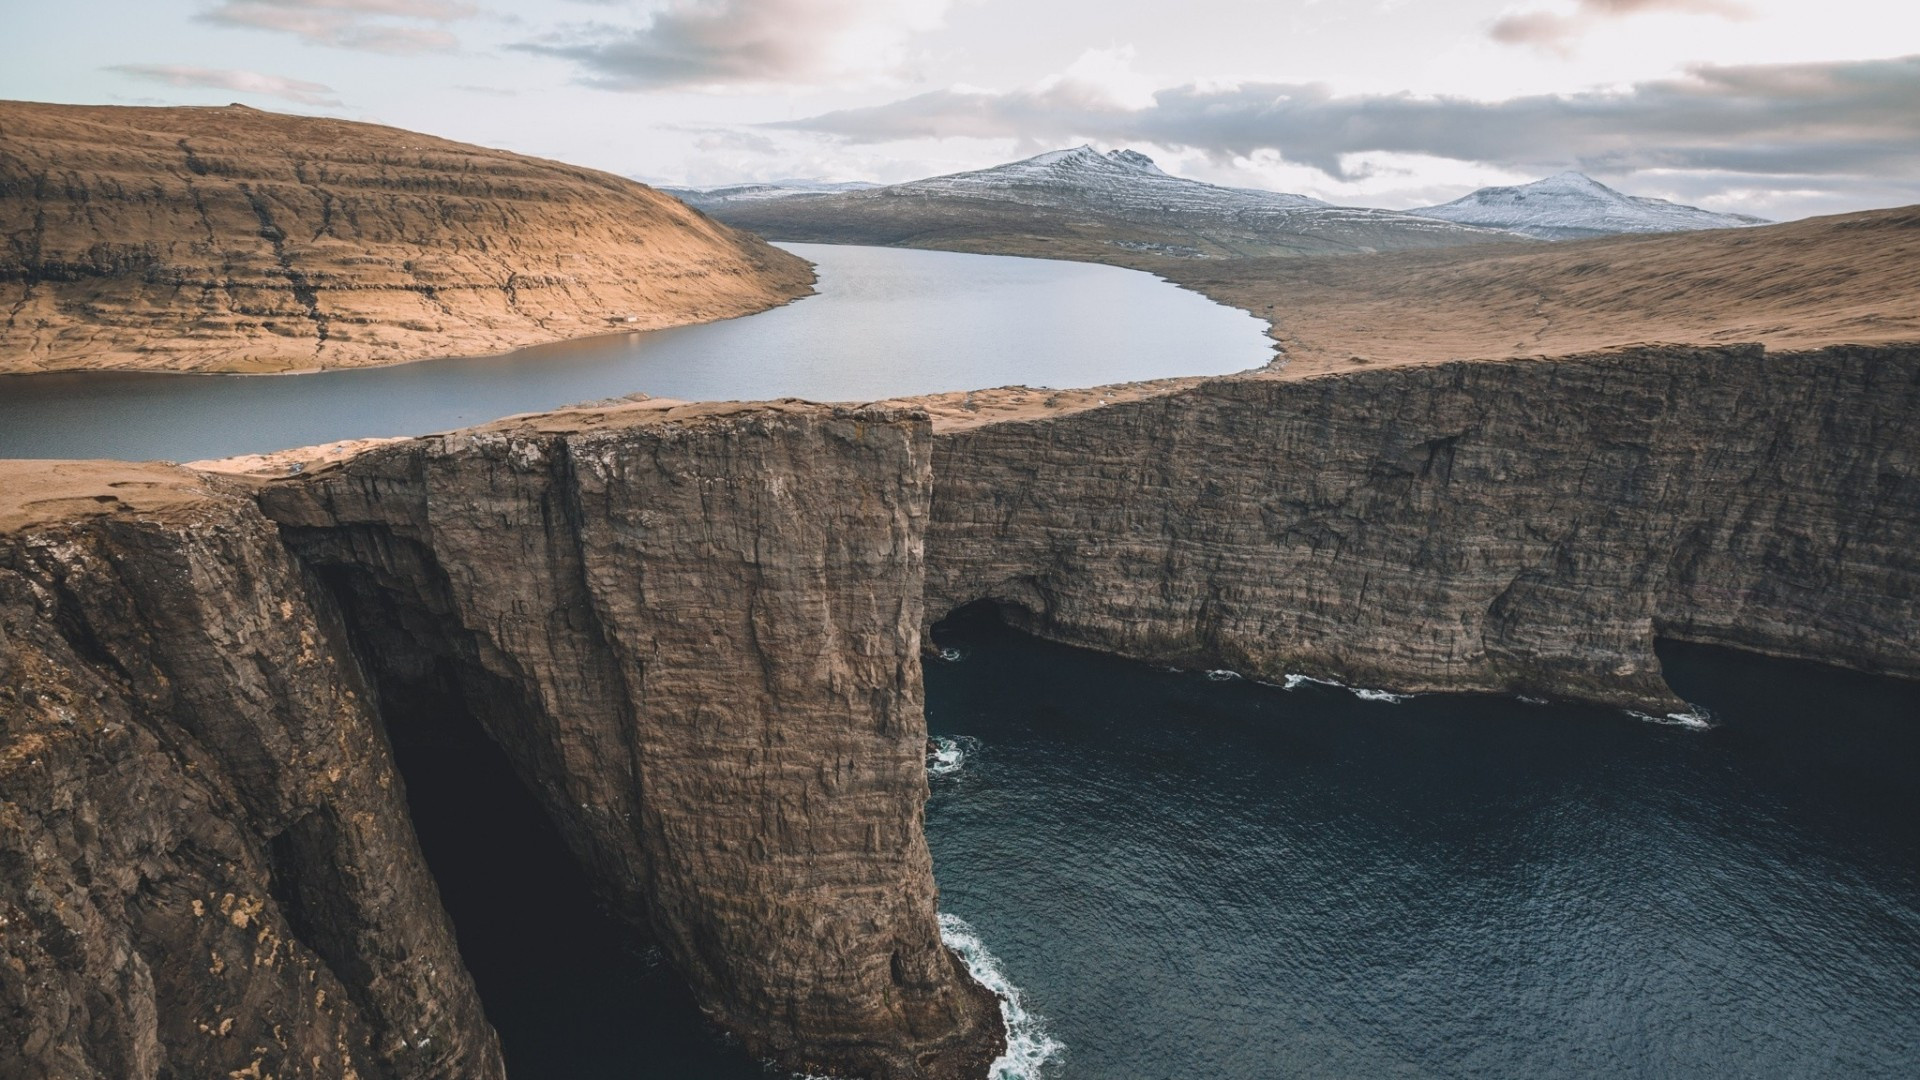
{"x": 245, "y": 82}
{"x": 709, "y": 44}
{"x": 1835, "y": 118}
{"x": 384, "y": 26}
{"x": 1556, "y": 32}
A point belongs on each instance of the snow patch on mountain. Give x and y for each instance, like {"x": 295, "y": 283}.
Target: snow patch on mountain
{"x": 1120, "y": 180}
{"x": 1572, "y": 205}
{"x": 1083, "y": 191}
{"x": 769, "y": 189}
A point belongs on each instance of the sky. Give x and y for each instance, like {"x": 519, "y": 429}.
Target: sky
{"x": 1781, "y": 108}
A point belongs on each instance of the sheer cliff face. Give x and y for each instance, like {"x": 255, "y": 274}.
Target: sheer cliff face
{"x": 237, "y": 240}
{"x": 1526, "y": 526}
{"x": 206, "y": 867}
{"x": 696, "y": 632}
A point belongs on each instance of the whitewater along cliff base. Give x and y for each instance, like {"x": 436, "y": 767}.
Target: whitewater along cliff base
{"x": 229, "y": 239}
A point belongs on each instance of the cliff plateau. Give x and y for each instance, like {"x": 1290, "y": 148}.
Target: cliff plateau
{"x": 195, "y": 239}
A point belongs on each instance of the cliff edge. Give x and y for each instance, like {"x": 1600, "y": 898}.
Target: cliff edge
{"x": 1528, "y": 526}
{"x": 229, "y": 239}
{"x": 693, "y": 629}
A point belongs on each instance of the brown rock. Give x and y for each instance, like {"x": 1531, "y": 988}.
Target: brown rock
{"x": 206, "y": 866}
{"x": 1525, "y": 526}
{"x": 695, "y": 631}
{"x": 195, "y": 239}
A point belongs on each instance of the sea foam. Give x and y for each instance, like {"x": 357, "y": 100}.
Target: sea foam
{"x": 1294, "y": 682}
{"x": 949, "y": 755}
{"x": 1029, "y": 1047}
{"x": 1697, "y": 718}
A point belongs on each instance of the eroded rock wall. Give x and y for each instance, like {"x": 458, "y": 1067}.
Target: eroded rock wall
{"x": 206, "y": 865}
{"x": 695, "y": 631}
{"x": 1522, "y": 526}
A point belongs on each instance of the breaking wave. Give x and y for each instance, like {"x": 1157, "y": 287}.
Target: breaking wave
{"x": 1029, "y": 1047}
{"x": 947, "y": 756}
{"x": 1698, "y": 718}
{"x": 1294, "y": 682}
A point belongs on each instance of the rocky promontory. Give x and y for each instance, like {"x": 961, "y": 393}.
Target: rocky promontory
{"x": 694, "y": 630}
{"x": 229, "y": 239}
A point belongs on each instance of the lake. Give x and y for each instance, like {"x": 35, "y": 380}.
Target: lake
{"x": 886, "y": 322}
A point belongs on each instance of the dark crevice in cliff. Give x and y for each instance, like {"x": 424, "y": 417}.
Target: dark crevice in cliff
{"x": 987, "y": 615}
{"x": 306, "y": 880}
{"x": 573, "y": 991}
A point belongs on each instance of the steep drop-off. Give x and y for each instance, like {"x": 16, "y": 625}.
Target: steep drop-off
{"x": 228, "y": 239}
{"x": 206, "y": 866}
{"x": 695, "y": 631}
{"x": 1524, "y": 527}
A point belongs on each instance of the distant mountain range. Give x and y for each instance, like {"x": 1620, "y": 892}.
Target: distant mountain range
{"x": 1082, "y": 203}
{"x": 1079, "y": 203}
{"x": 1572, "y": 205}
{"x": 769, "y": 189}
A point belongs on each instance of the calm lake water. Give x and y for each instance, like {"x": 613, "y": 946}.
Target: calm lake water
{"x": 1219, "y": 880}
{"x": 886, "y": 322}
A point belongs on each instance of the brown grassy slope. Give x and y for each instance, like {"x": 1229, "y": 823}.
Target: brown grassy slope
{"x": 1852, "y": 278}
{"x": 229, "y": 239}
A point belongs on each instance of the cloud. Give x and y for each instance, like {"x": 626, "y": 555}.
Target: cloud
{"x": 368, "y": 25}
{"x": 705, "y": 44}
{"x": 1556, "y": 33}
{"x": 245, "y": 82}
{"x": 1850, "y": 117}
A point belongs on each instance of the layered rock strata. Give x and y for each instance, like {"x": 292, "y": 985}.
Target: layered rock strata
{"x": 194, "y": 239}
{"x": 695, "y": 631}
{"x": 206, "y": 865}
{"x": 1522, "y": 526}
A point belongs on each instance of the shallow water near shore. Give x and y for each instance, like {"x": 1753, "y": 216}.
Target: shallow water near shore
{"x": 1215, "y": 879}
{"x": 887, "y": 322}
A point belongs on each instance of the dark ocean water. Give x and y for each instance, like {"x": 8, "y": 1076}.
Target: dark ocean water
{"x": 1218, "y": 879}
{"x": 1191, "y": 878}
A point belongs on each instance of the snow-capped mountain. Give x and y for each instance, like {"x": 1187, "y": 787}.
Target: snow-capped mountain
{"x": 1081, "y": 201}
{"x": 1573, "y": 205}
{"x": 1117, "y": 180}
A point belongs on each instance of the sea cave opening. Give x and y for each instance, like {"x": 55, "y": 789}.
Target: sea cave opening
{"x": 574, "y": 991}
